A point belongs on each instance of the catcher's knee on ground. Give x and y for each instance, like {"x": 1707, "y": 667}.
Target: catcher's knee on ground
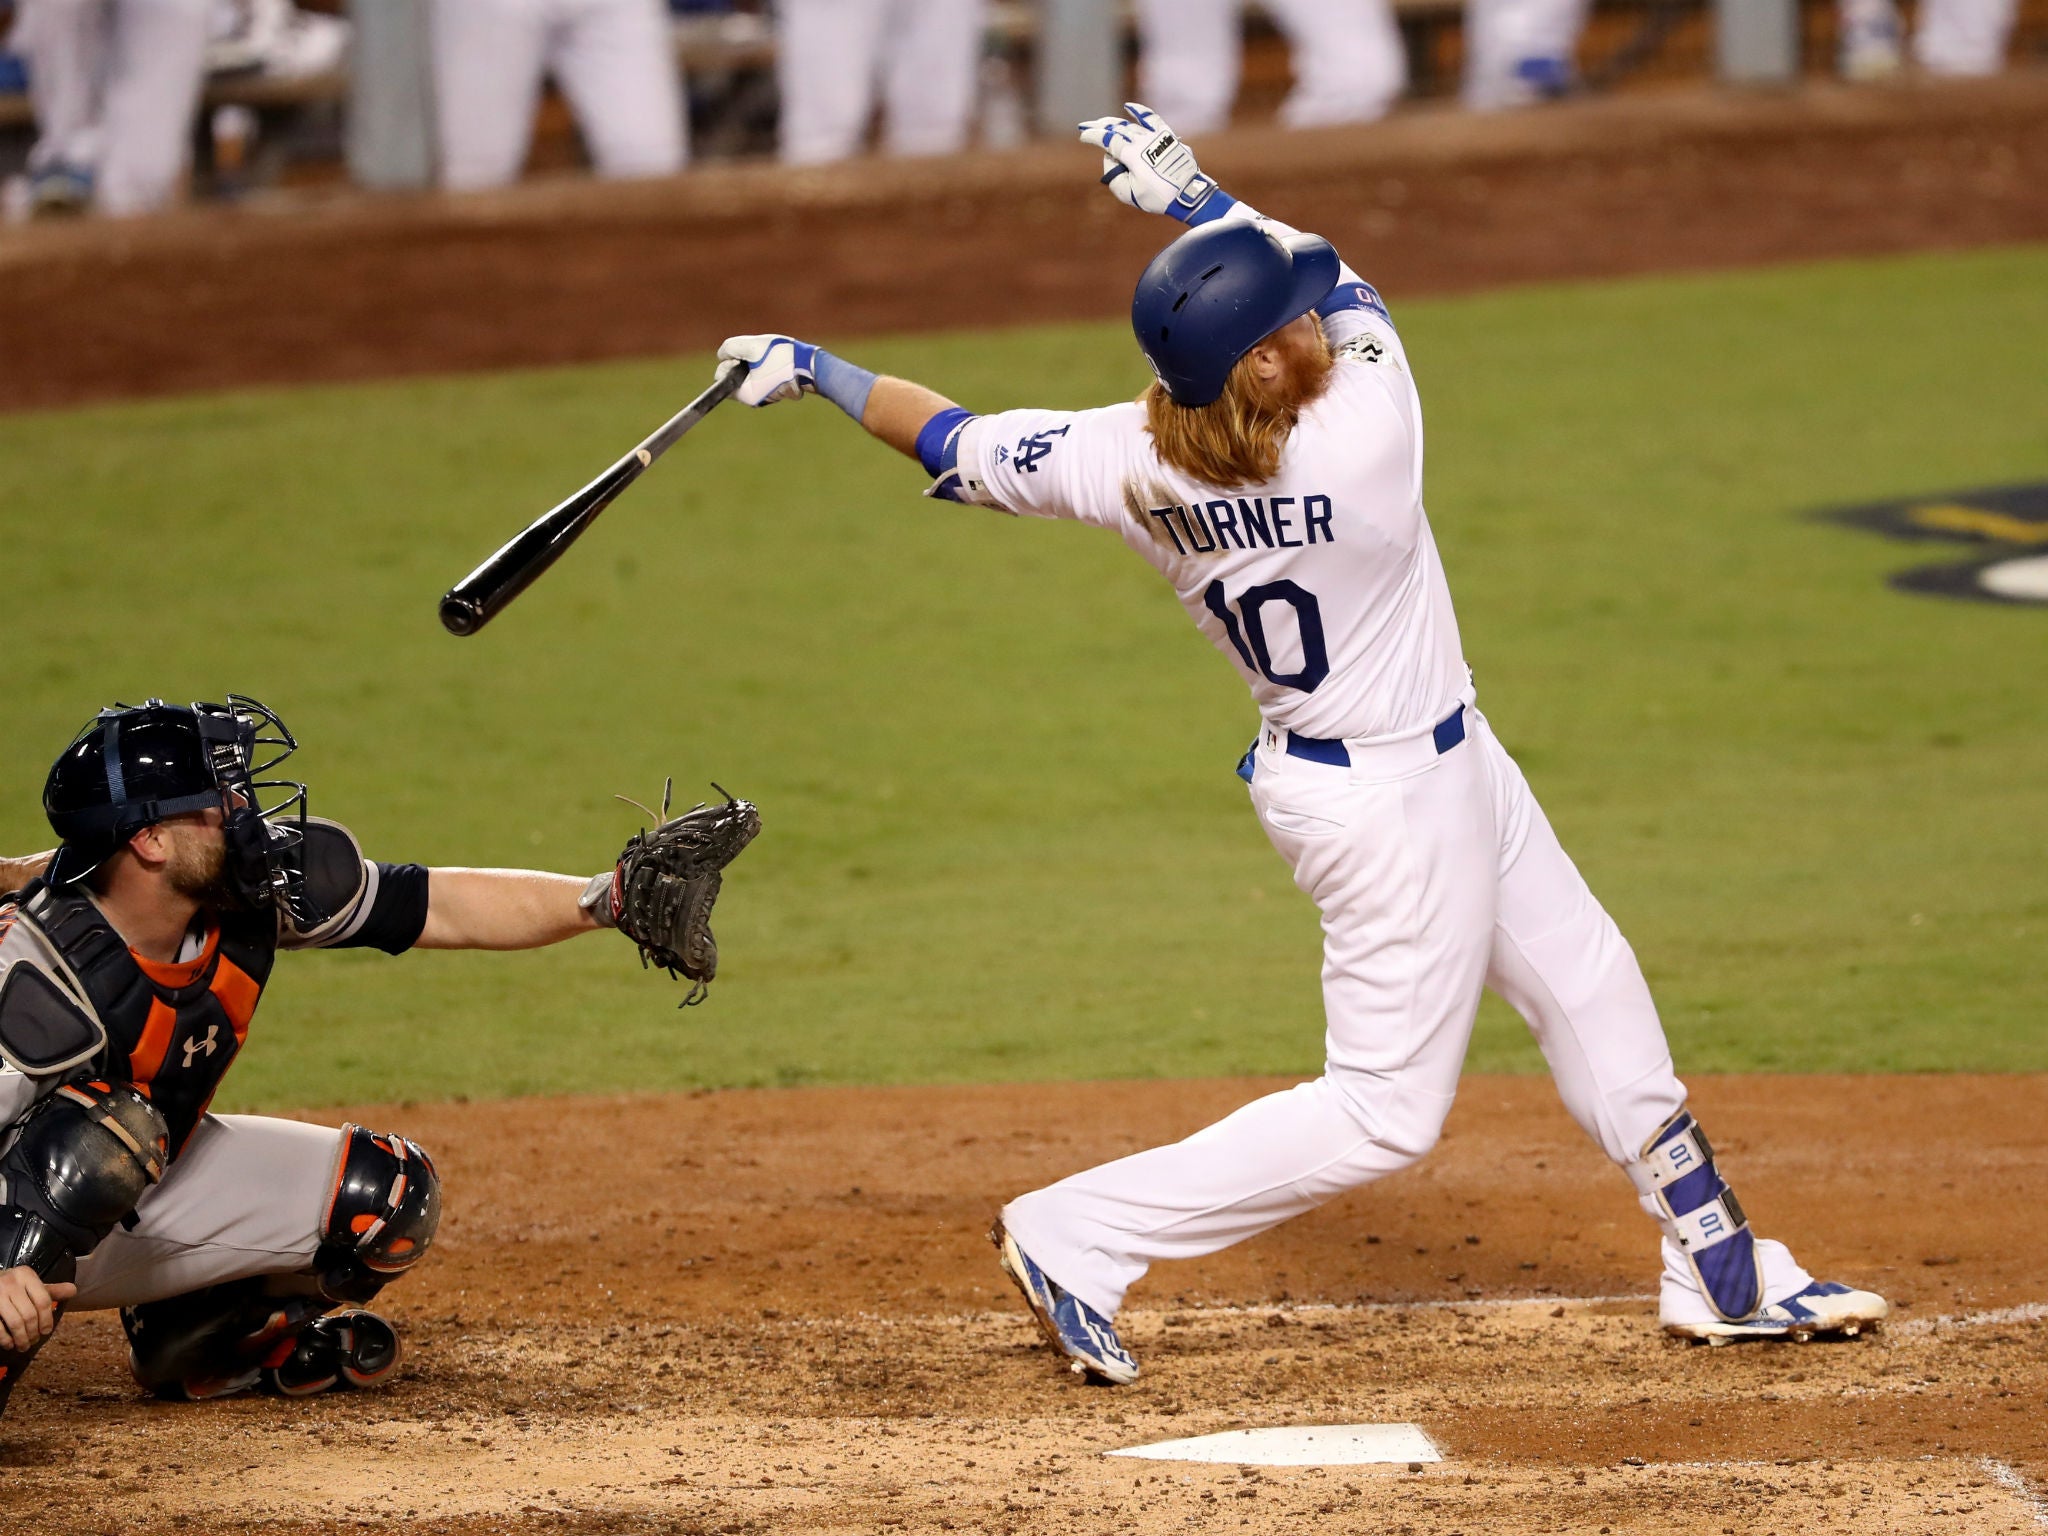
{"x": 274, "y": 1330}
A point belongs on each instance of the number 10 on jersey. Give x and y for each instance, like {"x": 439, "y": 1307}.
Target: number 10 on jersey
{"x": 1244, "y": 620}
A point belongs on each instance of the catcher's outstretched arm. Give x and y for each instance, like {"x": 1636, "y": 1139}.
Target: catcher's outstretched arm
{"x": 15, "y": 873}
{"x": 502, "y": 909}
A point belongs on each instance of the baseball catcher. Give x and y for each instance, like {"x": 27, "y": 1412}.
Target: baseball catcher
{"x": 1272, "y": 474}
{"x": 241, "y": 1250}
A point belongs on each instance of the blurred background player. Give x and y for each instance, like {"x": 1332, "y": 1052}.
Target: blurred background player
{"x": 833, "y": 55}
{"x": 1520, "y": 51}
{"x": 1349, "y": 64}
{"x": 115, "y": 85}
{"x": 1950, "y": 37}
{"x": 614, "y": 61}
{"x": 274, "y": 38}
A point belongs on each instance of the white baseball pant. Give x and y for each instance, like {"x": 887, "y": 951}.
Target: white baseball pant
{"x": 1349, "y": 63}
{"x": 1436, "y": 874}
{"x": 830, "y": 53}
{"x": 615, "y": 61}
{"x": 1963, "y": 37}
{"x": 115, "y": 84}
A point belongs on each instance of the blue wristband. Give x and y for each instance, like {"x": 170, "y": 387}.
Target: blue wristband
{"x": 938, "y": 440}
{"x": 845, "y": 384}
{"x": 1217, "y": 204}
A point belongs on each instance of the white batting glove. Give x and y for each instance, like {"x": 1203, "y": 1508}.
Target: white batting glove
{"x": 778, "y": 367}
{"x": 1146, "y": 165}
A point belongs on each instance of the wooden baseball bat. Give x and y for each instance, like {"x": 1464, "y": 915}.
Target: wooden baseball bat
{"x": 486, "y": 591}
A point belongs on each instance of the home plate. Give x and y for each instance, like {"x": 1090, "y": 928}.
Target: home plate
{"x": 1300, "y": 1445}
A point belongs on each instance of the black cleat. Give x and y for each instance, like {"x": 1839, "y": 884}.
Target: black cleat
{"x": 343, "y": 1349}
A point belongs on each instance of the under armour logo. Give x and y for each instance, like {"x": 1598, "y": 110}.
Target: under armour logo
{"x": 201, "y": 1047}
{"x": 1035, "y": 447}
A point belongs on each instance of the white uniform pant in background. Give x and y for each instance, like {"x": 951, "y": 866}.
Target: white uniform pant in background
{"x": 115, "y": 85}
{"x": 1517, "y": 51}
{"x": 246, "y": 1197}
{"x": 614, "y": 60}
{"x": 1349, "y": 63}
{"x": 831, "y": 54}
{"x": 1963, "y": 37}
{"x": 1436, "y": 874}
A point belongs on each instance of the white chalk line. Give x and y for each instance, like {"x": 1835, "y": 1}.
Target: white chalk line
{"x": 1236, "y": 1309}
{"x": 2031, "y": 1312}
{"x": 2008, "y": 1478}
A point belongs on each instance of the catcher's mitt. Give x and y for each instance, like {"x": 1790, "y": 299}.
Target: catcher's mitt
{"x": 667, "y": 880}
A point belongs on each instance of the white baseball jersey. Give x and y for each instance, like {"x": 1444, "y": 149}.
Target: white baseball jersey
{"x": 1323, "y": 586}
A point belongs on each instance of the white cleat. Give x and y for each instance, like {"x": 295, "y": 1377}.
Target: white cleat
{"x": 1825, "y": 1309}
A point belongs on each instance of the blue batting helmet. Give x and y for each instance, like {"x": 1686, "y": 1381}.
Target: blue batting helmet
{"x": 1217, "y": 292}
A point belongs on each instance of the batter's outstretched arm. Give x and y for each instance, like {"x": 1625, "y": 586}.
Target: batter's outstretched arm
{"x": 898, "y": 412}
{"x": 917, "y": 422}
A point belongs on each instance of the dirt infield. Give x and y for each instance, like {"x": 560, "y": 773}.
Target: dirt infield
{"x": 774, "y": 1311}
{"x": 1431, "y": 201}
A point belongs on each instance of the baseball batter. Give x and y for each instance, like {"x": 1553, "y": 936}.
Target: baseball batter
{"x": 1273, "y": 476}
{"x": 131, "y": 963}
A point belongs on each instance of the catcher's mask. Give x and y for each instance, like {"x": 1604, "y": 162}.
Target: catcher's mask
{"x": 135, "y": 765}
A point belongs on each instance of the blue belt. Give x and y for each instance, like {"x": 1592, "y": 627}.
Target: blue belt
{"x": 1448, "y": 732}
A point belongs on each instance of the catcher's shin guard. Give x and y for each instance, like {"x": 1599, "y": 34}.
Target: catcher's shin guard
{"x": 343, "y": 1349}
{"x": 271, "y": 1332}
{"x": 382, "y": 1217}
{"x": 84, "y": 1156}
{"x": 1699, "y": 1212}
{"x": 215, "y": 1342}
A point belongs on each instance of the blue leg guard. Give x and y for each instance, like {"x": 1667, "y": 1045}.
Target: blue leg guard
{"x": 1700, "y": 1213}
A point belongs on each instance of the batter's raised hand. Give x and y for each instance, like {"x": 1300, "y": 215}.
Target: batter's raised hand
{"x": 28, "y": 1307}
{"x": 778, "y": 367}
{"x": 1146, "y": 165}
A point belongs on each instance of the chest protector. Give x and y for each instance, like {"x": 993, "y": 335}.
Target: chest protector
{"x": 171, "y": 1029}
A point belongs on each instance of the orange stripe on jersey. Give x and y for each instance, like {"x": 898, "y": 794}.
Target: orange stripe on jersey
{"x": 237, "y": 992}
{"x": 148, "y": 1055}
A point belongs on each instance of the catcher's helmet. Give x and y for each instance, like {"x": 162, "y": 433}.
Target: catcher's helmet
{"x": 1217, "y": 292}
{"x": 138, "y": 764}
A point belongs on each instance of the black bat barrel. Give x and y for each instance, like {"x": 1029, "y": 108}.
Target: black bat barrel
{"x": 478, "y": 598}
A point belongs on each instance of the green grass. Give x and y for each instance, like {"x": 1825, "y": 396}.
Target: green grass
{"x": 1003, "y": 840}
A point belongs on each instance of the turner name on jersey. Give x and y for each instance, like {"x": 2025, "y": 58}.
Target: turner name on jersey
{"x": 1246, "y": 522}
